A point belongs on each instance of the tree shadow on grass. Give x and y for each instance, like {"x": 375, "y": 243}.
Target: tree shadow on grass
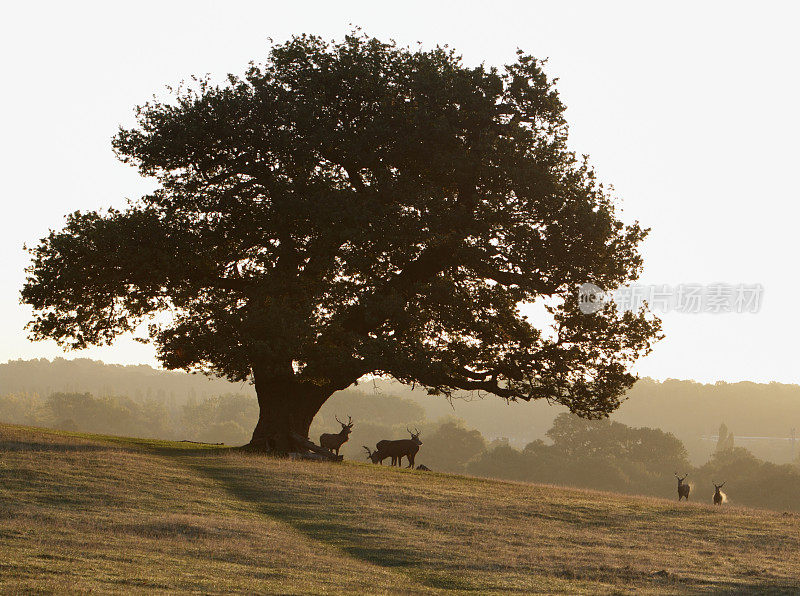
{"x": 322, "y": 516}
{"x": 344, "y": 520}
{"x": 341, "y": 517}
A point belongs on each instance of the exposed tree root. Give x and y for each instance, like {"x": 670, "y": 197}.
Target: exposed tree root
{"x": 294, "y": 446}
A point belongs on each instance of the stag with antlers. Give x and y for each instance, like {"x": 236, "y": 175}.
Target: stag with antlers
{"x": 401, "y": 448}
{"x": 719, "y": 496}
{"x": 334, "y": 441}
{"x": 377, "y": 456}
{"x": 683, "y": 489}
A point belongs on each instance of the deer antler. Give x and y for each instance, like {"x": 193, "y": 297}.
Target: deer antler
{"x": 369, "y": 453}
{"x": 349, "y": 421}
{"x": 337, "y": 419}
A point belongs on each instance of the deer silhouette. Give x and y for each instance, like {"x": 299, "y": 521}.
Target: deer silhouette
{"x": 719, "y": 496}
{"x": 402, "y": 447}
{"x": 683, "y": 489}
{"x": 334, "y": 441}
{"x": 377, "y": 456}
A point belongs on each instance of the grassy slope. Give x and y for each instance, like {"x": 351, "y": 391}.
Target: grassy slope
{"x": 91, "y": 513}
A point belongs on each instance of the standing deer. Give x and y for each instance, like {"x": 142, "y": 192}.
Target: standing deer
{"x": 381, "y": 446}
{"x": 683, "y": 489}
{"x": 334, "y": 441}
{"x": 719, "y": 496}
{"x": 401, "y": 447}
{"x": 377, "y": 456}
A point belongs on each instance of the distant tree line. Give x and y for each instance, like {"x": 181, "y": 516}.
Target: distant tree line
{"x": 209, "y": 420}
{"x": 687, "y": 409}
{"x": 139, "y": 382}
{"x": 217, "y": 419}
{"x": 608, "y": 455}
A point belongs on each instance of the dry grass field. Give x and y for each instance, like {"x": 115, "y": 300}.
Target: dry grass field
{"x": 83, "y": 513}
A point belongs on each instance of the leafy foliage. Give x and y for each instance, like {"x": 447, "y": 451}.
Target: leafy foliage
{"x": 751, "y": 481}
{"x": 451, "y": 446}
{"x": 725, "y": 438}
{"x": 357, "y": 208}
{"x": 222, "y": 419}
{"x": 592, "y": 453}
{"x": 115, "y": 415}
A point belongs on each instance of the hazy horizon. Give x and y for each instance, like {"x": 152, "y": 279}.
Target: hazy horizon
{"x": 761, "y": 415}
{"x": 663, "y": 101}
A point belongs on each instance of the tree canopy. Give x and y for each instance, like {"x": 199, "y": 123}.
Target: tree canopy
{"x": 352, "y": 208}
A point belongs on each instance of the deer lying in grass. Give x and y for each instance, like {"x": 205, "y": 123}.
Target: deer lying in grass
{"x": 400, "y": 448}
{"x": 719, "y": 496}
{"x": 334, "y": 441}
{"x": 683, "y": 489}
{"x": 424, "y": 468}
{"x": 377, "y": 456}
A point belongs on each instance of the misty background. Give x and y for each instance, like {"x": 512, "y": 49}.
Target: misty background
{"x": 740, "y": 433}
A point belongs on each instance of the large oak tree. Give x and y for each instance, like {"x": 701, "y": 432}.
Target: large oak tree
{"x": 355, "y": 208}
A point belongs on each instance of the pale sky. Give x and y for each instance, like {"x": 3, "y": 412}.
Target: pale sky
{"x": 690, "y": 110}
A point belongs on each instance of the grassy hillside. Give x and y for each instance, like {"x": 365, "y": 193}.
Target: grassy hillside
{"x": 92, "y": 513}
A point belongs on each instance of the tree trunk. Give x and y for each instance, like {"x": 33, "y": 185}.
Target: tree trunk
{"x": 286, "y": 408}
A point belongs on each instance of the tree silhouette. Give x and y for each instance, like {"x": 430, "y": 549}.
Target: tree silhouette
{"x": 725, "y": 438}
{"x": 354, "y": 208}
